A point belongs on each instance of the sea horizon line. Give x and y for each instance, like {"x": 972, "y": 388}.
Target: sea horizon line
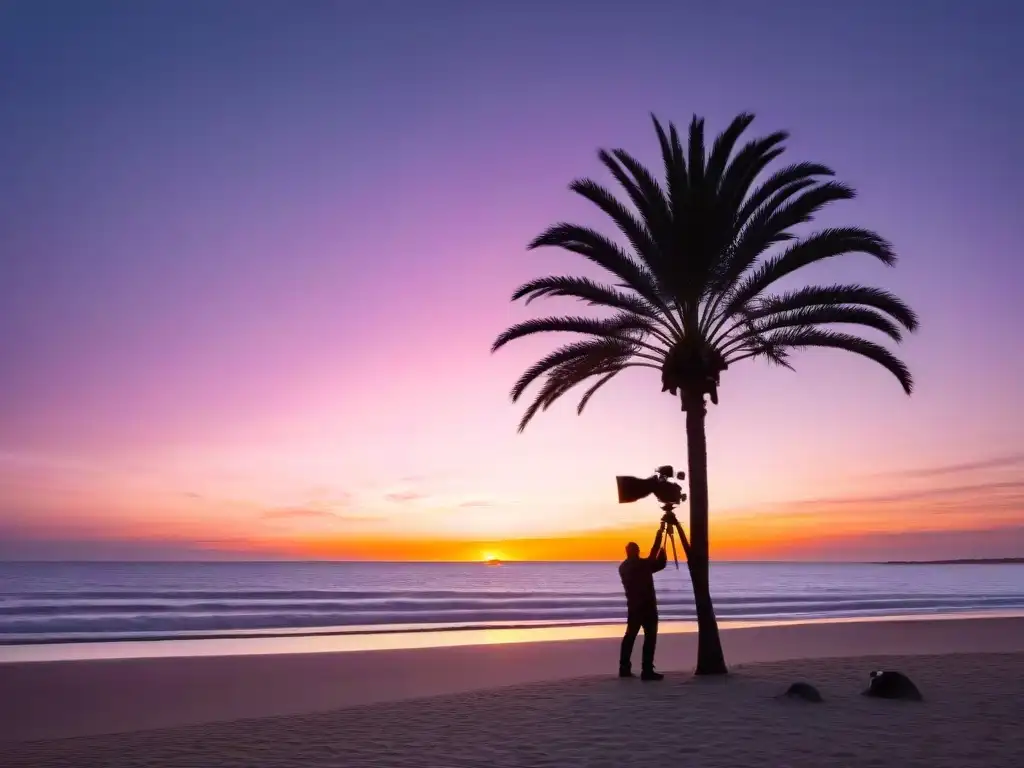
{"x": 316, "y": 561}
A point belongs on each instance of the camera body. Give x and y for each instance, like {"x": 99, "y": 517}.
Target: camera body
{"x": 667, "y": 492}
{"x": 664, "y": 489}
{"x": 659, "y": 484}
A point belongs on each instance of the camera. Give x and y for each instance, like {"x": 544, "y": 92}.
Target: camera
{"x": 659, "y": 484}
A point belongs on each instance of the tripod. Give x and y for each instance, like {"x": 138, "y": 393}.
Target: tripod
{"x": 667, "y": 527}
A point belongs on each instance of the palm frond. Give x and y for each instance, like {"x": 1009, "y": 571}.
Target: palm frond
{"x": 563, "y": 378}
{"x": 594, "y": 388}
{"x": 584, "y": 289}
{"x": 814, "y": 316}
{"x": 748, "y": 245}
{"x": 834, "y": 295}
{"x": 773, "y": 222}
{"x": 696, "y": 153}
{"x": 784, "y": 341}
{"x": 635, "y": 194}
{"x": 722, "y": 149}
{"x": 599, "y": 250}
{"x": 801, "y": 209}
{"x": 751, "y": 237}
{"x": 656, "y": 212}
{"x": 635, "y": 229}
{"x": 774, "y": 353}
{"x": 676, "y": 179}
{"x": 596, "y": 294}
{"x": 777, "y": 183}
{"x": 747, "y": 164}
{"x": 610, "y": 328}
{"x": 817, "y": 247}
{"x": 591, "y": 349}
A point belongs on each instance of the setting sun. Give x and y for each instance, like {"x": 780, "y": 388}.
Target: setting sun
{"x": 492, "y": 556}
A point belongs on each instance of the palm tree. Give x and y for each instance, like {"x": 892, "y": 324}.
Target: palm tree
{"x": 695, "y": 291}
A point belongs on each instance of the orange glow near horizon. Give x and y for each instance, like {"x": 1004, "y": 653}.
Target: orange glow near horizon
{"x": 522, "y": 512}
{"x": 752, "y": 537}
{"x": 956, "y": 521}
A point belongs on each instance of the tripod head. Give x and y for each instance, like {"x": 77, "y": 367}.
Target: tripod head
{"x": 669, "y": 524}
{"x": 669, "y": 518}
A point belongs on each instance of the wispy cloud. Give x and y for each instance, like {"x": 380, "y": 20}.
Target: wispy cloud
{"x": 30, "y": 459}
{"x": 972, "y": 489}
{"x": 313, "y": 513}
{"x": 402, "y": 497}
{"x": 28, "y": 467}
{"x": 1000, "y": 541}
{"x": 293, "y": 513}
{"x": 976, "y": 495}
{"x": 473, "y": 503}
{"x": 974, "y": 506}
{"x": 996, "y": 462}
{"x": 323, "y": 495}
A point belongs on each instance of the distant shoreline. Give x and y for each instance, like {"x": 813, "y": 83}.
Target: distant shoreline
{"x": 963, "y": 561}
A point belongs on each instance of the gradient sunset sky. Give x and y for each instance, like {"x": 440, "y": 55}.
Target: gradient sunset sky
{"x": 253, "y": 256}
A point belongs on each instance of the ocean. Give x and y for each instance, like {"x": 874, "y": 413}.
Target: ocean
{"x": 98, "y": 602}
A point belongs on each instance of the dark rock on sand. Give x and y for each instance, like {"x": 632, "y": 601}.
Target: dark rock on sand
{"x": 892, "y": 685}
{"x": 803, "y": 691}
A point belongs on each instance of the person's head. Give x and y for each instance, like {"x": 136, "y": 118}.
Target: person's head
{"x": 632, "y": 550}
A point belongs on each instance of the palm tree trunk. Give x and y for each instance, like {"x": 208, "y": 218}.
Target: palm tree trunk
{"x": 710, "y": 659}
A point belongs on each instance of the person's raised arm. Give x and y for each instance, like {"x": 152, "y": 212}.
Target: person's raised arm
{"x": 656, "y": 548}
{"x": 658, "y": 558}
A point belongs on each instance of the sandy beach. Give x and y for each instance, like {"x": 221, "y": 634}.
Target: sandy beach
{"x": 535, "y": 704}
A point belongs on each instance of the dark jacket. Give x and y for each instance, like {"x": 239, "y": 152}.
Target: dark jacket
{"x": 637, "y": 574}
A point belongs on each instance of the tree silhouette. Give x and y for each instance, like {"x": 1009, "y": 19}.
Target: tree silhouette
{"x": 693, "y": 292}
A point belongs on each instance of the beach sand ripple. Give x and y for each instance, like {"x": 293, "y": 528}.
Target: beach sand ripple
{"x": 970, "y": 717}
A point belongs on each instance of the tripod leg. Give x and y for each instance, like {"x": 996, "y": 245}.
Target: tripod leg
{"x": 684, "y": 541}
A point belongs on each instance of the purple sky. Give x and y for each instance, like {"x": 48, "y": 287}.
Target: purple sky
{"x": 253, "y": 255}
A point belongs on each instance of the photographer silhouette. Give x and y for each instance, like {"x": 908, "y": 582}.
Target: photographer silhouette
{"x": 637, "y": 574}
